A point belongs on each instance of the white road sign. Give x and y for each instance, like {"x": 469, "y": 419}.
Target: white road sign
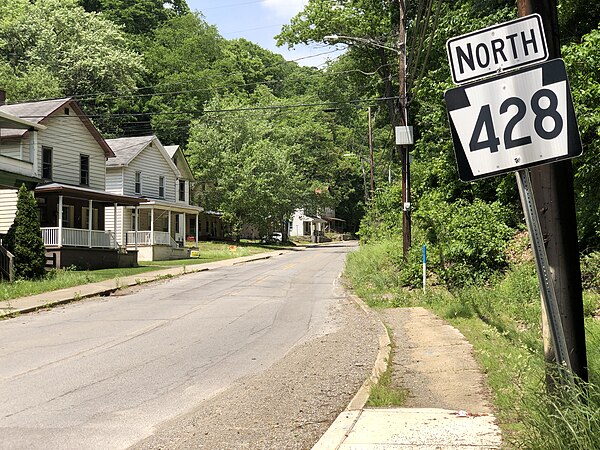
{"x": 512, "y": 121}
{"x": 505, "y": 46}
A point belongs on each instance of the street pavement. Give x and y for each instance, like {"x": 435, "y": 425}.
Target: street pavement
{"x": 356, "y": 428}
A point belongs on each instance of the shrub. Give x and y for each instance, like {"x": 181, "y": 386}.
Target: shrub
{"x": 24, "y": 238}
{"x": 467, "y": 241}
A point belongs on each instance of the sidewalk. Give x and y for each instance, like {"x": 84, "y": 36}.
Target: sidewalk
{"x": 448, "y": 401}
{"x": 103, "y": 288}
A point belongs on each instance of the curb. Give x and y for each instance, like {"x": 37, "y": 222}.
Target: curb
{"x": 76, "y": 295}
{"x": 340, "y": 428}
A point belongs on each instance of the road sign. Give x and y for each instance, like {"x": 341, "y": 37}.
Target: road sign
{"x": 513, "y": 121}
{"x": 501, "y": 47}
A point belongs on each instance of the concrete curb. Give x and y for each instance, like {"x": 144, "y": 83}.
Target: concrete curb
{"x": 104, "y": 288}
{"x": 340, "y": 428}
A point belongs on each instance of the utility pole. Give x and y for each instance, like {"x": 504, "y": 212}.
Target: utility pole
{"x": 555, "y": 199}
{"x": 403, "y": 121}
{"x": 371, "y": 155}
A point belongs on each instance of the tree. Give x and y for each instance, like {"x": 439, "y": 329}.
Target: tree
{"x": 259, "y": 157}
{"x": 181, "y": 65}
{"x": 24, "y": 238}
{"x": 79, "y": 52}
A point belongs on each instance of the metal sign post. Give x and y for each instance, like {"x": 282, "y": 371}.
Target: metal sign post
{"x": 543, "y": 269}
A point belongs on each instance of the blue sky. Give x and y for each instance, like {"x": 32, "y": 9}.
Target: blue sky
{"x": 259, "y": 21}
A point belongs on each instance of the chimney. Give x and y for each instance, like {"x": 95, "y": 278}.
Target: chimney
{"x": 2, "y": 97}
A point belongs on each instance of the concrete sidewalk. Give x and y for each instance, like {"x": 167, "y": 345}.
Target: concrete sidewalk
{"x": 435, "y": 362}
{"x": 103, "y": 288}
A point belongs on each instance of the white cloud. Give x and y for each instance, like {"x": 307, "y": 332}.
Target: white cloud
{"x": 285, "y": 8}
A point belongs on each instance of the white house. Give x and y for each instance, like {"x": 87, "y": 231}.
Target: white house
{"x": 314, "y": 223}
{"x": 68, "y": 155}
{"x": 166, "y": 219}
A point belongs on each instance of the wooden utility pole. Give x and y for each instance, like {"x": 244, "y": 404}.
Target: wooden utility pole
{"x": 555, "y": 200}
{"x": 403, "y": 121}
{"x": 371, "y": 155}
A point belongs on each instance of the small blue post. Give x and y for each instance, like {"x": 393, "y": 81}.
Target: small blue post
{"x": 424, "y": 267}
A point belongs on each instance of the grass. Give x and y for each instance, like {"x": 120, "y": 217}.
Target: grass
{"x": 385, "y": 393}
{"x": 60, "y": 279}
{"x": 502, "y": 321}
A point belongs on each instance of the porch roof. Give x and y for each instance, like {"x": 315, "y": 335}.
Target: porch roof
{"x": 176, "y": 207}
{"x": 313, "y": 219}
{"x": 87, "y": 194}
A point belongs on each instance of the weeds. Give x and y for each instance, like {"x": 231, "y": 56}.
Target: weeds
{"x": 384, "y": 393}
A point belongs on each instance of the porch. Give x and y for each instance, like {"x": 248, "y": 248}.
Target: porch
{"x": 74, "y": 237}
{"x": 161, "y": 230}
{"x": 72, "y": 227}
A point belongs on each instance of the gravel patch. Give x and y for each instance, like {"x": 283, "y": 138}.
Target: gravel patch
{"x": 292, "y": 403}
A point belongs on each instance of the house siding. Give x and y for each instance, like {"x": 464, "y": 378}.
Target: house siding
{"x": 15, "y": 150}
{"x": 69, "y": 138}
{"x": 8, "y": 208}
{"x": 152, "y": 165}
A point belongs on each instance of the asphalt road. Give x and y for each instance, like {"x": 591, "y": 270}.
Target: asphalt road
{"x": 103, "y": 373}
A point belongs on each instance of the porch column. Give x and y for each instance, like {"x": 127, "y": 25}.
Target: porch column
{"x": 60, "y": 219}
{"x": 197, "y": 229}
{"x": 115, "y": 224}
{"x": 184, "y": 220}
{"x": 152, "y": 226}
{"x": 169, "y": 224}
{"x": 135, "y": 227}
{"x": 90, "y": 215}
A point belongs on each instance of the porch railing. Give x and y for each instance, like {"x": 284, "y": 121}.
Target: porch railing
{"x": 7, "y": 269}
{"x": 145, "y": 238}
{"x": 75, "y": 237}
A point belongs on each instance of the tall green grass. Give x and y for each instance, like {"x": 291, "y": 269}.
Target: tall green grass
{"x": 502, "y": 319}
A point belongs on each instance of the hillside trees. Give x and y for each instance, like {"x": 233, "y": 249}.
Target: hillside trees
{"x": 53, "y": 47}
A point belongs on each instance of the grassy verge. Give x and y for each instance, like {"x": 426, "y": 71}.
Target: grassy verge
{"x": 385, "y": 393}
{"x": 60, "y": 279}
{"x": 502, "y": 321}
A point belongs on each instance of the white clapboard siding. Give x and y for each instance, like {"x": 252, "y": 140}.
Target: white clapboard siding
{"x": 14, "y": 149}
{"x": 114, "y": 180}
{"x": 8, "y": 208}
{"x": 152, "y": 165}
{"x": 69, "y": 138}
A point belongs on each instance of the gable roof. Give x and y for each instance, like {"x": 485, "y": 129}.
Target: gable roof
{"x": 38, "y": 112}
{"x": 172, "y": 150}
{"x": 126, "y": 149}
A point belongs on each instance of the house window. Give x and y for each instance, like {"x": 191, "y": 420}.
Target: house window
{"x": 161, "y": 187}
{"x": 84, "y": 170}
{"x": 68, "y": 216}
{"x": 85, "y": 216}
{"x": 47, "y": 163}
{"x": 138, "y": 183}
{"x": 181, "y": 190}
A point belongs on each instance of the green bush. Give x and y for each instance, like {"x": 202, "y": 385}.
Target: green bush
{"x": 467, "y": 241}
{"x": 383, "y": 218}
{"x": 24, "y": 238}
